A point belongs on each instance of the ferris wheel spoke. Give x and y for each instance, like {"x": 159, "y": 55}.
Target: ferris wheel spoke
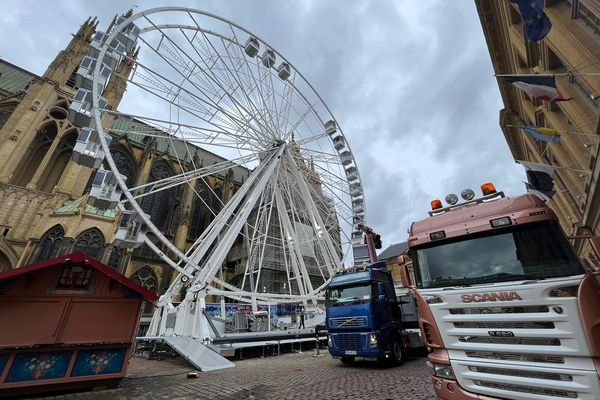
{"x": 238, "y": 78}
{"x": 293, "y": 245}
{"x": 315, "y": 216}
{"x": 187, "y": 176}
{"x": 227, "y": 74}
{"x": 254, "y": 82}
{"x": 164, "y": 129}
{"x": 266, "y": 242}
{"x": 214, "y": 81}
{"x": 222, "y": 129}
{"x": 209, "y": 116}
{"x": 257, "y": 85}
{"x": 286, "y": 109}
{"x": 235, "y": 121}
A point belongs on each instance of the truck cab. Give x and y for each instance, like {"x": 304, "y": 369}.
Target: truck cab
{"x": 507, "y": 308}
{"x": 364, "y": 318}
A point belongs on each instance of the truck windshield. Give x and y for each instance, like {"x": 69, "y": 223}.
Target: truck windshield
{"x": 535, "y": 251}
{"x": 344, "y": 295}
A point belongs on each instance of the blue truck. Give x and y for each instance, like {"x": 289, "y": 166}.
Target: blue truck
{"x": 365, "y": 316}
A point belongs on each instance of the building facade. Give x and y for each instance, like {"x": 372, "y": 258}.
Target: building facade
{"x": 571, "y": 51}
{"x": 44, "y": 211}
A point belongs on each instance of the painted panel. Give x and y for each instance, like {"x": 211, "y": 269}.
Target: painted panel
{"x": 99, "y": 362}
{"x": 31, "y": 321}
{"x": 39, "y": 366}
{"x": 99, "y": 321}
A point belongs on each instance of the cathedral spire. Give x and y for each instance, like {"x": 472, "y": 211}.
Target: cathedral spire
{"x": 61, "y": 69}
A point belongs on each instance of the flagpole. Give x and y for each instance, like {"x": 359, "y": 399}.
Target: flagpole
{"x": 559, "y": 132}
{"x": 571, "y": 169}
{"x": 554, "y": 166}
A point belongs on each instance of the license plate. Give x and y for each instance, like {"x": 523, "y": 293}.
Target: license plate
{"x": 350, "y": 352}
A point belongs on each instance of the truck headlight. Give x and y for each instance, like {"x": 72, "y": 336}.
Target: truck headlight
{"x": 373, "y": 340}
{"x": 329, "y": 341}
{"x": 443, "y": 371}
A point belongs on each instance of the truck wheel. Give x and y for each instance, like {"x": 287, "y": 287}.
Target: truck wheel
{"x": 397, "y": 352}
{"x": 347, "y": 359}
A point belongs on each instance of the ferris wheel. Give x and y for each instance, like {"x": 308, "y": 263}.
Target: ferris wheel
{"x": 204, "y": 85}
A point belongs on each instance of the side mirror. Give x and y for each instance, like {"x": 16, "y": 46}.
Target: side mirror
{"x": 381, "y": 298}
{"x": 405, "y": 277}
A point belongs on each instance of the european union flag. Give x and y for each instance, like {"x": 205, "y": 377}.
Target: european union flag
{"x": 537, "y": 24}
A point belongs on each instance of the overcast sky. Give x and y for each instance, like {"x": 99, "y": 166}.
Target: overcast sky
{"x": 410, "y": 83}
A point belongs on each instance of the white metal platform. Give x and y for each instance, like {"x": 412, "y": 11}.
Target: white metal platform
{"x": 195, "y": 352}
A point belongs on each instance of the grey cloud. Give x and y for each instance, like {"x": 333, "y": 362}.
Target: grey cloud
{"x": 409, "y": 82}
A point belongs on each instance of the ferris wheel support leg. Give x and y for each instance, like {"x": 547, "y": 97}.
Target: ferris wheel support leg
{"x": 316, "y": 219}
{"x": 211, "y": 235}
{"x": 206, "y": 275}
{"x": 153, "y": 329}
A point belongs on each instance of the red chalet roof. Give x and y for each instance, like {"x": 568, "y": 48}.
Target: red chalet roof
{"x": 81, "y": 258}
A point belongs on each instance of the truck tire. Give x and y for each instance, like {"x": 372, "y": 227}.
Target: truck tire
{"x": 397, "y": 354}
{"x": 347, "y": 359}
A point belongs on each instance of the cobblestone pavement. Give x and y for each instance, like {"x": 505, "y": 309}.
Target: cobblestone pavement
{"x": 292, "y": 376}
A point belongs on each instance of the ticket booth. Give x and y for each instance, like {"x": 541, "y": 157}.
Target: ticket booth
{"x": 66, "y": 323}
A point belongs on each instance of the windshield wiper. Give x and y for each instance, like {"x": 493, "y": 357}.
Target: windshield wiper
{"x": 505, "y": 276}
{"x": 499, "y": 277}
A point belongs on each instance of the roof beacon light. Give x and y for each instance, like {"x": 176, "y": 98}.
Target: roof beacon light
{"x": 451, "y": 199}
{"x": 435, "y": 204}
{"x": 467, "y": 194}
{"x": 488, "y": 188}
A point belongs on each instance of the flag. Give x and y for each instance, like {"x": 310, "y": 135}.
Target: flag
{"x": 539, "y": 177}
{"x": 542, "y": 134}
{"x": 541, "y": 87}
{"x": 537, "y": 24}
{"x": 539, "y": 194}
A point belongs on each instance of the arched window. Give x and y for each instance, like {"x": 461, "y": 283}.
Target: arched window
{"x": 5, "y": 264}
{"x": 59, "y": 162}
{"x": 162, "y": 206}
{"x": 51, "y": 243}
{"x": 201, "y": 215}
{"x": 91, "y": 242}
{"x": 35, "y": 154}
{"x": 117, "y": 255}
{"x": 125, "y": 162}
{"x": 4, "y": 116}
{"x": 146, "y": 278}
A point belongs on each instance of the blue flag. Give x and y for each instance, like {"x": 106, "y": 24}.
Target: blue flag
{"x": 537, "y": 24}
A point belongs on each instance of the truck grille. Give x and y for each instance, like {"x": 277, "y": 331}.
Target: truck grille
{"x": 348, "y": 322}
{"x": 532, "y": 341}
{"x": 523, "y": 373}
{"x": 533, "y": 347}
{"x": 493, "y": 355}
{"x": 504, "y": 325}
{"x": 348, "y": 341}
{"x": 500, "y": 310}
{"x": 528, "y": 389}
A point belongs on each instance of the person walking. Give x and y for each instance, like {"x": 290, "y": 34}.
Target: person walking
{"x": 301, "y": 319}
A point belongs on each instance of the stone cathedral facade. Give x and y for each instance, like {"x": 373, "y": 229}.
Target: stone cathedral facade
{"x": 43, "y": 208}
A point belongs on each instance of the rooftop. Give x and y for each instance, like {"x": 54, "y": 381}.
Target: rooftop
{"x": 394, "y": 250}
{"x": 14, "y": 79}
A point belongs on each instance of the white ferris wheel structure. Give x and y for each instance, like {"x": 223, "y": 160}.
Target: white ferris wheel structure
{"x": 201, "y": 81}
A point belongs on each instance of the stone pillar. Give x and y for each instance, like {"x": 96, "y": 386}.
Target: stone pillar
{"x": 185, "y": 219}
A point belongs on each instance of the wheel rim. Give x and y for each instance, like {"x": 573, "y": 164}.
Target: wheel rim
{"x": 252, "y": 112}
{"x": 397, "y": 351}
